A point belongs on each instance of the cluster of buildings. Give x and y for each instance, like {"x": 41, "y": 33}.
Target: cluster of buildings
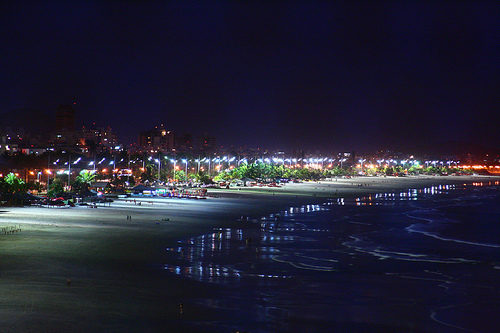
{"x": 62, "y": 134}
{"x": 162, "y": 140}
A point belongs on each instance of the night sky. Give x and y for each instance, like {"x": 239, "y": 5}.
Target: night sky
{"x": 300, "y": 75}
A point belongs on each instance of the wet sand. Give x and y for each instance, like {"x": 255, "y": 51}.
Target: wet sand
{"x": 95, "y": 270}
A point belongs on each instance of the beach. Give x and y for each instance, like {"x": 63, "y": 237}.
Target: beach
{"x": 81, "y": 269}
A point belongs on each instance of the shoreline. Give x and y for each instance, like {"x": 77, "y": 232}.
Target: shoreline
{"x": 72, "y": 264}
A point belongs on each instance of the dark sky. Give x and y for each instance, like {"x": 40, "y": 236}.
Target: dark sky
{"x": 289, "y": 75}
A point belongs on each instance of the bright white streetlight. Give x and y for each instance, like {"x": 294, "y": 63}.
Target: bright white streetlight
{"x": 186, "y": 161}
{"x": 159, "y": 167}
{"x": 173, "y": 161}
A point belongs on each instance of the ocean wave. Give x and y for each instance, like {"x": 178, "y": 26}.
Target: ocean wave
{"x": 306, "y": 262}
{"x": 363, "y": 246}
{"x": 413, "y": 229}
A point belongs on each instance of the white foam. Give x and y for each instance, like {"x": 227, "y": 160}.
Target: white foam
{"x": 429, "y": 234}
{"x": 386, "y": 254}
{"x": 359, "y": 223}
{"x": 301, "y": 265}
{"x": 434, "y": 317}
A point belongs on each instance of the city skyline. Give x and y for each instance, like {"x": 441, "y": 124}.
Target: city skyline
{"x": 21, "y": 135}
{"x": 299, "y": 75}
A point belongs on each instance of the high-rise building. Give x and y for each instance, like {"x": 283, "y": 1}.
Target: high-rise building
{"x": 157, "y": 139}
{"x": 98, "y": 138}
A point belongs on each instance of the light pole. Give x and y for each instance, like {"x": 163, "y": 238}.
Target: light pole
{"x": 173, "y": 161}
{"x": 159, "y": 167}
{"x": 207, "y": 160}
{"x": 48, "y": 173}
{"x": 69, "y": 172}
{"x": 198, "y": 160}
{"x": 100, "y": 162}
{"x": 361, "y": 164}
{"x": 218, "y": 160}
{"x": 224, "y": 159}
{"x": 186, "y": 161}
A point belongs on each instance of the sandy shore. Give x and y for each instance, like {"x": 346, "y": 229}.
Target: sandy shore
{"x": 90, "y": 269}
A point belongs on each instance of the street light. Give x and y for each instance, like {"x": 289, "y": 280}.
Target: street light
{"x": 198, "y": 161}
{"x": 48, "y": 173}
{"x": 223, "y": 159}
{"x": 230, "y": 160}
{"x": 216, "y": 160}
{"x": 213, "y": 160}
{"x": 186, "y": 161}
{"x": 173, "y": 161}
{"x": 208, "y": 161}
{"x": 159, "y": 167}
{"x": 69, "y": 171}
{"x": 48, "y": 180}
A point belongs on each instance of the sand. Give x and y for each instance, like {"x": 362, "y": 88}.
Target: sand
{"x": 85, "y": 269}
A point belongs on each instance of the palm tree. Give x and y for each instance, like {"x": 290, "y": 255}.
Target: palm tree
{"x": 10, "y": 185}
{"x": 83, "y": 181}
{"x": 147, "y": 176}
{"x": 14, "y": 181}
{"x": 86, "y": 177}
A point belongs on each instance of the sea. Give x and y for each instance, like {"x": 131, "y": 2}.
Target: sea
{"x": 420, "y": 260}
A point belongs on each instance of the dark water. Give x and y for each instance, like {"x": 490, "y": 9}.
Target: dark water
{"x": 423, "y": 260}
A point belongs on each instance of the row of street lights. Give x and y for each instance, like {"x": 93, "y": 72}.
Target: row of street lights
{"x": 311, "y": 162}
{"x": 318, "y": 163}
